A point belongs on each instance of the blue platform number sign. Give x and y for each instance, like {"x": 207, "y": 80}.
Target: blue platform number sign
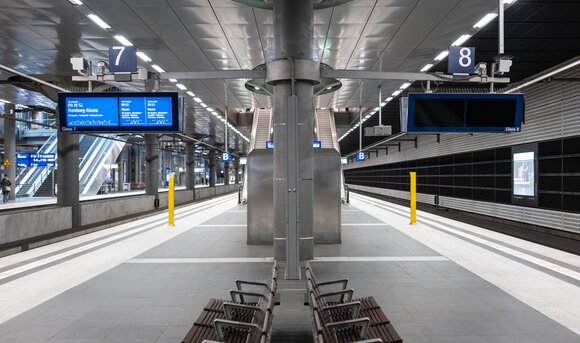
{"x": 270, "y": 145}
{"x": 226, "y": 157}
{"x": 360, "y": 156}
{"x": 316, "y": 144}
{"x": 122, "y": 59}
{"x": 461, "y": 60}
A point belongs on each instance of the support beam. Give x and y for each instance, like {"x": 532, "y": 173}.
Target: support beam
{"x": 387, "y": 75}
{"x": 215, "y": 74}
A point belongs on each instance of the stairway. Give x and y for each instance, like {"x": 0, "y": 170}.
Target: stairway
{"x": 261, "y": 128}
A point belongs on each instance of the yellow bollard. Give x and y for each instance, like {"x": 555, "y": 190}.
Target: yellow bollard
{"x": 171, "y": 200}
{"x": 413, "y": 197}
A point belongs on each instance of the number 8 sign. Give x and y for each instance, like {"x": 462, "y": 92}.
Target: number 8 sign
{"x": 461, "y": 60}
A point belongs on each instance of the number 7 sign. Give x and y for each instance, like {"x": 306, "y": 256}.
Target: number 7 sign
{"x": 122, "y": 59}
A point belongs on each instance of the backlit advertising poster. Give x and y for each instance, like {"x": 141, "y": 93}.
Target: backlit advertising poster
{"x": 525, "y": 175}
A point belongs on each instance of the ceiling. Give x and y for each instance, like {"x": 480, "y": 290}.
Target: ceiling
{"x": 39, "y": 36}
{"x": 539, "y": 34}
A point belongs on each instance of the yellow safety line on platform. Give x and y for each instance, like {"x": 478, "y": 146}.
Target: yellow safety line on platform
{"x": 171, "y": 200}
{"x": 413, "y": 197}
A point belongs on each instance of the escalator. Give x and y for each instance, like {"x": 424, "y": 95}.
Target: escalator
{"x": 96, "y": 154}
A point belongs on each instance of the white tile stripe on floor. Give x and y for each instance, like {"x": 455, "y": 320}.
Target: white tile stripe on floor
{"x": 221, "y": 225}
{"x": 364, "y": 224}
{"x": 271, "y": 259}
{"x": 555, "y": 298}
{"x": 31, "y": 290}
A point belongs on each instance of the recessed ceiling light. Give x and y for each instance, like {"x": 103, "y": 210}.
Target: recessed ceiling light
{"x": 173, "y": 80}
{"x": 158, "y": 68}
{"x": 389, "y": 99}
{"x": 5, "y": 101}
{"x": 509, "y": 2}
{"x": 143, "y": 57}
{"x": 405, "y": 85}
{"x": 180, "y": 86}
{"x": 461, "y": 40}
{"x": 485, "y": 20}
{"x": 397, "y": 92}
{"x": 427, "y": 67}
{"x": 190, "y": 93}
{"x": 198, "y": 100}
{"x": 383, "y": 104}
{"x": 203, "y": 105}
{"x": 123, "y": 40}
{"x": 76, "y": 2}
{"x": 442, "y": 55}
{"x": 97, "y": 20}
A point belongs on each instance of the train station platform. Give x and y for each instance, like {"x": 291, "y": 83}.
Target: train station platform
{"x": 437, "y": 281}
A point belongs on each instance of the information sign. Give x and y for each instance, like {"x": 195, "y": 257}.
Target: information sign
{"x": 270, "y": 145}
{"x": 461, "y": 60}
{"x": 119, "y": 112}
{"x": 360, "y": 156}
{"x": 226, "y": 157}
{"x": 316, "y": 144}
{"x": 122, "y": 59}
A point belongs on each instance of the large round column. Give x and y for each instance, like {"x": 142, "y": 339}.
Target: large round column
{"x": 293, "y": 164}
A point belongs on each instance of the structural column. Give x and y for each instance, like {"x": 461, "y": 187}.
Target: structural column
{"x": 10, "y": 146}
{"x": 293, "y": 112}
{"x": 121, "y": 170}
{"x": 152, "y": 165}
{"x": 212, "y": 168}
{"x": 237, "y": 170}
{"x": 67, "y": 147}
{"x": 190, "y": 151}
{"x": 226, "y": 173}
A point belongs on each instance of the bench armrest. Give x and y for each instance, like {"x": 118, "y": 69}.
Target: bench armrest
{"x": 372, "y": 340}
{"x": 345, "y": 293}
{"x": 241, "y": 294}
{"x": 354, "y": 308}
{"x": 222, "y": 325}
{"x": 353, "y": 323}
{"x": 239, "y": 284}
{"x": 230, "y": 307}
{"x": 344, "y": 283}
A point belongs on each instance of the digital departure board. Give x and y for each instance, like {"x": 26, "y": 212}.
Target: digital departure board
{"x": 119, "y": 112}
{"x": 439, "y": 113}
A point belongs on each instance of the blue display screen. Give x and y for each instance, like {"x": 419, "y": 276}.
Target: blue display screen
{"x": 83, "y": 112}
{"x": 42, "y": 160}
{"x": 124, "y": 112}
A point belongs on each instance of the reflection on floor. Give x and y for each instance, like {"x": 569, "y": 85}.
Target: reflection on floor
{"x": 437, "y": 281}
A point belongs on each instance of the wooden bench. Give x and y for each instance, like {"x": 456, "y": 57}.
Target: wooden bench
{"x": 347, "y": 319}
{"x": 246, "y": 318}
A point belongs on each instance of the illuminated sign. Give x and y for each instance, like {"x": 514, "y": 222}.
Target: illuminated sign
{"x": 119, "y": 112}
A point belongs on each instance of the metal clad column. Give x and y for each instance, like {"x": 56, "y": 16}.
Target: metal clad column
{"x": 237, "y": 170}
{"x": 67, "y": 147}
{"x": 212, "y": 168}
{"x": 226, "y": 173}
{"x": 189, "y": 165}
{"x": 293, "y": 37}
{"x": 10, "y": 147}
{"x": 152, "y": 165}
